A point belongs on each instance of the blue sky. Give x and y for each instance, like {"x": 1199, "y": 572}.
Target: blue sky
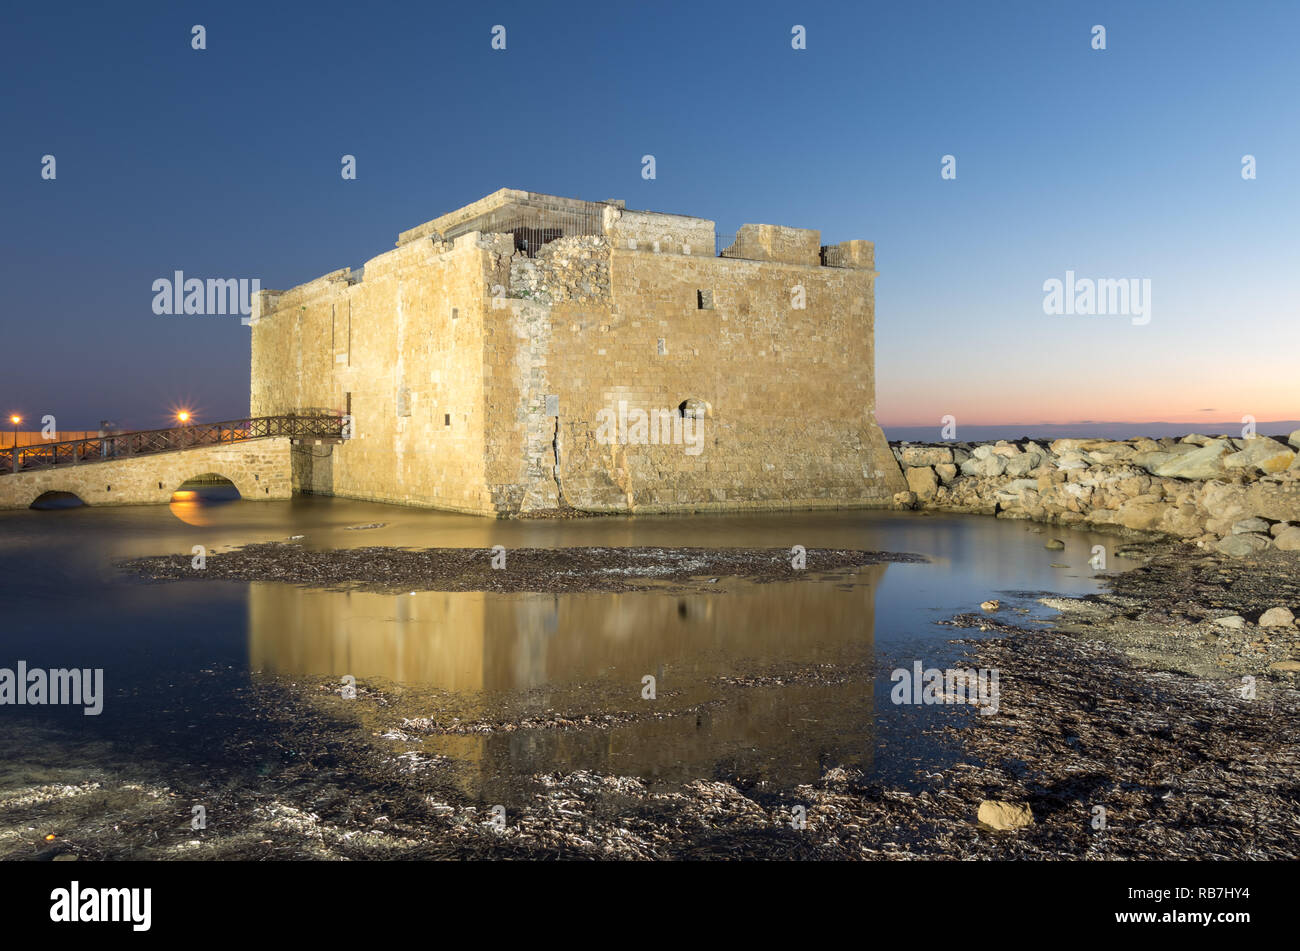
{"x": 1122, "y": 163}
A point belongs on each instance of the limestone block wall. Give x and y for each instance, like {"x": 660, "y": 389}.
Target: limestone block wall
{"x": 259, "y": 468}
{"x": 658, "y": 233}
{"x": 788, "y": 391}
{"x": 402, "y": 350}
{"x": 777, "y": 243}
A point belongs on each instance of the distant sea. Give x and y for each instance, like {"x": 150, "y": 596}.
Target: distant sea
{"x": 1087, "y": 429}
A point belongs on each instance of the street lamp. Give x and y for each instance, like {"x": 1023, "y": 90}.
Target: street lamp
{"x": 183, "y": 417}
{"x": 15, "y": 420}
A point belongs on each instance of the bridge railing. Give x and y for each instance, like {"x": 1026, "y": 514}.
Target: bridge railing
{"x": 124, "y": 445}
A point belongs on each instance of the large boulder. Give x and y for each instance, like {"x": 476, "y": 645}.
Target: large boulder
{"x": 1143, "y": 513}
{"x": 986, "y": 466}
{"x": 1277, "y": 617}
{"x": 925, "y": 455}
{"x": 1288, "y": 539}
{"x": 946, "y": 472}
{"x": 1021, "y": 465}
{"x": 1294, "y": 439}
{"x": 1185, "y": 461}
{"x": 1249, "y": 525}
{"x": 1184, "y": 520}
{"x": 1275, "y": 499}
{"x": 1262, "y": 453}
{"x": 922, "y": 481}
{"x": 1224, "y": 502}
{"x": 1242, "y": 546}
{"x": 1127, "y": 483}
{"x": 1109, "y": 453}
{"x": 1017, "y": 494}
{"x": 1033, "y": 449}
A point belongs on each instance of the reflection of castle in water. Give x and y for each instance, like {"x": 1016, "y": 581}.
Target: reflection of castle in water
{"x": 472, "y": 642}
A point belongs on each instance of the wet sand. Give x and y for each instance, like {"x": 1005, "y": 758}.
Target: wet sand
{"x": 566, "y": 570}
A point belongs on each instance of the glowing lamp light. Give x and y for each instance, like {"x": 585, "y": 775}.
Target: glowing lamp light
{"x": 183, "y": 416}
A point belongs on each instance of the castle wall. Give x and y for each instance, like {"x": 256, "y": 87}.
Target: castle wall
{"x": 789, "y": 392}
{"x": 774, "y": 351}
{"x": 414, "y": 372}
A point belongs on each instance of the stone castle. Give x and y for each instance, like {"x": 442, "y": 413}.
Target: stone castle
{"x": 530, "y": 353}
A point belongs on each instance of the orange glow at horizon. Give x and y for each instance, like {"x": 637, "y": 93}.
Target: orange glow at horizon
{"x": 1056, "y": 393}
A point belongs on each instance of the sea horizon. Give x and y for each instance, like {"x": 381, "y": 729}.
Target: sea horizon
{"x": 1087, "y": 429}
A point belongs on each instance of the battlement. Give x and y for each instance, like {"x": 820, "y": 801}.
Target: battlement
{"x": 537, "y": 219}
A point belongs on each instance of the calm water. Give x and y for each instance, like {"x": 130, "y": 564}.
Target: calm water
{"x": 167, "y": 648}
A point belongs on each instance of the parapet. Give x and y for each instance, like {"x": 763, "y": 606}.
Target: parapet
{"x": 855, "y": 254}
{"x": 510, "y": 209}
{"x": 776, "y": 243}
{"x": 536, "y": 219}
{"x": 655, "y": 231}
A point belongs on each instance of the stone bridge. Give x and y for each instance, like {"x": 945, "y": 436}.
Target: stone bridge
{"x": 261, "y": 469}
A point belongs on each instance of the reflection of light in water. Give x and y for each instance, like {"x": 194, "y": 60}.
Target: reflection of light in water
{"x": 194, "y": 506}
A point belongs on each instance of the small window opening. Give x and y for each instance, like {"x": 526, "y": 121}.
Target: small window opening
{"x": 704, "y": 300}
{"x": 446, "y": 419}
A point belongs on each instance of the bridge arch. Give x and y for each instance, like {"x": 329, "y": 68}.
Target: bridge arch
{"x": 246, "y": 487}
{"x": 55, "y": 499}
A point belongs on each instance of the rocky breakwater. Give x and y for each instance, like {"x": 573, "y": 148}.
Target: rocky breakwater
{"x": 1236, "y": 496}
